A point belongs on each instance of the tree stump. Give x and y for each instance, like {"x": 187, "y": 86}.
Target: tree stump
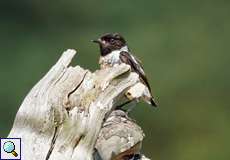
{"x": 70, "y": 115}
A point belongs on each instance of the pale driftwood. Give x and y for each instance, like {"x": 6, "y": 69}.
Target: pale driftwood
{"x": 69, "y": 115}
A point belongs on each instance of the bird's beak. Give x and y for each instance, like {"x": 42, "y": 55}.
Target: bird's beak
{"x": 97, "y": 41}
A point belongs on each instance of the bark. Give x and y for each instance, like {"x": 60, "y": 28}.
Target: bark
{"x": 70, "y": 115}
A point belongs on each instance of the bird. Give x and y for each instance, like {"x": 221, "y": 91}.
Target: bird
{"x": 114, "y": 50}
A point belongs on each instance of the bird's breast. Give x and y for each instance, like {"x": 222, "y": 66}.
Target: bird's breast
{"x": 111, "y": 59}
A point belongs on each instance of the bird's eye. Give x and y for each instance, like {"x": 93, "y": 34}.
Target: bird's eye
{"x": 112, "y": 40}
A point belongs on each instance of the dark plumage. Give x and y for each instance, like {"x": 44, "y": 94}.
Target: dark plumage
{"x": 110, "y": 42}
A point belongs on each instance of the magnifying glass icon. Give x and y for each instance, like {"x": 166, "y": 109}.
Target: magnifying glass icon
{"x": 9, "y": 147}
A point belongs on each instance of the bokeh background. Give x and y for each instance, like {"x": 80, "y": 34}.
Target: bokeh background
{"x": 184, "y": 46}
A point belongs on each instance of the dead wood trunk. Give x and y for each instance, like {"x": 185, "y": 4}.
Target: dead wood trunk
{"x": 69, "y": 115}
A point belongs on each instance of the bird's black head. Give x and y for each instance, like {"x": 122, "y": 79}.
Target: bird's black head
{"x": 110, "y": 42}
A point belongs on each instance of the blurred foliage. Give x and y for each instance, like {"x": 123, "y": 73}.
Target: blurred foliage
{"x": 184, "y": 46}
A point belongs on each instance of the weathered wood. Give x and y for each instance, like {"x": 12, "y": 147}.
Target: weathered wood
{"x": 69, "y": 115}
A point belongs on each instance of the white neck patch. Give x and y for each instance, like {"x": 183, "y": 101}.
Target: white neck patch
{"x": 114, "y": 56}
{"x": 125, "y": 48}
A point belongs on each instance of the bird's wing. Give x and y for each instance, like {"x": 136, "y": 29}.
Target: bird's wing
{"x": 135, "y": 66}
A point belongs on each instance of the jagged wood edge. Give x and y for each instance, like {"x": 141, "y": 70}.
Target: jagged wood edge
{"x": 62, "y": 115}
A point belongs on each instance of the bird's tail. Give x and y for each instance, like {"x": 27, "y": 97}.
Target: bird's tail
{"x": 153, "y": 102}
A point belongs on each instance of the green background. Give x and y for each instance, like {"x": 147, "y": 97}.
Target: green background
{"x": 184, "y": 47}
